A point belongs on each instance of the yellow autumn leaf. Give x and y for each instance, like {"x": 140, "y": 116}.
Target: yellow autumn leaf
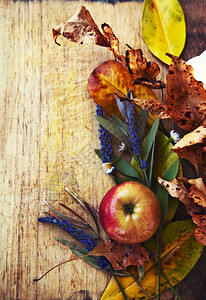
{"x": 163, "y": 28}
{"x": 180, "y": 253}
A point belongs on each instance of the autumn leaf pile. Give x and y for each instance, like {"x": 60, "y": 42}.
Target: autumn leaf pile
{"x": 185, "y": 105}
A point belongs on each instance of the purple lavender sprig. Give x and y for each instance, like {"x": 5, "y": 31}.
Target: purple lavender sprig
{"x": 104, "y": 137}
{"x": 136, "y": 145}
{"x": 137, "y": 150}
{"x": 79, "y": 235}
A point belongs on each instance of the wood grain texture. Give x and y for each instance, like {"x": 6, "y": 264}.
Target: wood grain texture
{"x": 48, "y": 134}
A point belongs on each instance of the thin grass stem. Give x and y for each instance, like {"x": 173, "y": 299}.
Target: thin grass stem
{"x": 139, "y": 284}
{"x": 117, "y": 281}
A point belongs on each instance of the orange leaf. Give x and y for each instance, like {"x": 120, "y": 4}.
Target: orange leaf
{"x": 122, "y": 255}
{"x": 193, "y": 147}
{"x": 186, "y": 97}
{"x": 81, "y": 29}
{"x": 194, "y": 200}
{"x": 112, "y": 77}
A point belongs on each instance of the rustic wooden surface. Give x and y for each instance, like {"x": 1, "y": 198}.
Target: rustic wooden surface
{"x": 48, "y": 134}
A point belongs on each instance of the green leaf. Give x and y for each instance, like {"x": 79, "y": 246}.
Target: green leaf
{"x": 150, "y": 168}
{"x": 181, "y": 251}
{"x": 120, "y": 179}
{"x": 121, "y": 125}
{"x": 166, "y": 166}
{"x": 80, "y": 251}
{"x": 125, "y": 168}
{"x": 171, "y": 172}
{"x": 141, "y": 122}
{"x": 162, "y": 195}
{"x": 164, "y": 157}
{"x": 163, "y": 28}
{"x": 173, "y": 203}
{"x": 141, "y": 272}
{"x": 98, "y": 153}
{"x": 149, "y": 139}
{"x": 114, "y": 129}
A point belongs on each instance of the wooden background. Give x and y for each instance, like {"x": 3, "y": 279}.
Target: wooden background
{"x": 48, "y": 134}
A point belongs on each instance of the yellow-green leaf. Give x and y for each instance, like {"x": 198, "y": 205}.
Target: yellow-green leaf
{"x": 163, "y": 28}
{"x": 181, "y": 252}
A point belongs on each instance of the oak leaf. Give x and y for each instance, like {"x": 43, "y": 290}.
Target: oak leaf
{"x": 122, "y": 255}
{"x": 186, "y": 97}
{"x": 193, "y": 147}
{"x": 194, "y": 200}
{"x": 81, "y": 29}
{"x": 143, "y": 72}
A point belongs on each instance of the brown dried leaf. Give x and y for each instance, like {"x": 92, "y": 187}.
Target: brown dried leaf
{"x": 193, "y": 147}
{"x": 112, "y": 40}
{"x": 186, "y": 97}
{"x": 143, "y": 72}
{"x": 122, "y": 255}
{"x": 194, "y": 200}
{"x": 155, "y": 107}
{"x": 81, "y": 29}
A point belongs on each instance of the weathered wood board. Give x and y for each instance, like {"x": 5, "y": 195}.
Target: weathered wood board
{"x": 48, "y": 134}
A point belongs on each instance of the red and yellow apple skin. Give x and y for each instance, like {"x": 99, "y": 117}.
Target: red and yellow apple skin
{"x": 130, "y": 213}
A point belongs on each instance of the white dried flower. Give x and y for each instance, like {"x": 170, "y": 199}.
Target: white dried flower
{"x": 122, "y": 147}
{"x": 108, "y": 167}
{"x": 174, "y": 136}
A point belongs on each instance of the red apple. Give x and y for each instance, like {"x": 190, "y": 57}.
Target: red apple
{"x": 130, "y": 213}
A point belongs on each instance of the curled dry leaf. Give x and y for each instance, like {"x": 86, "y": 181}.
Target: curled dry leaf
{"x": 155, "y": 107}
{"x": 186, "y": 97}
{"x": 193, "y": 147}
{"x": 143, "y": 72}
{"x": 122, "y": 255}
{"x": 194, "y": 200}
{"x": 112, "y": 39}
{"x": 81, "y": 29}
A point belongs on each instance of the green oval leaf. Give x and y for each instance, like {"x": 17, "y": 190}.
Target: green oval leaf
{"x": 114, "y": 129}
{"x": 125, "y": 168}
{"x": 163, "y": 28}
{"x": 181, "y": 252}
{"x": 164, "y": 158}
{"x": 149, "y": 139}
